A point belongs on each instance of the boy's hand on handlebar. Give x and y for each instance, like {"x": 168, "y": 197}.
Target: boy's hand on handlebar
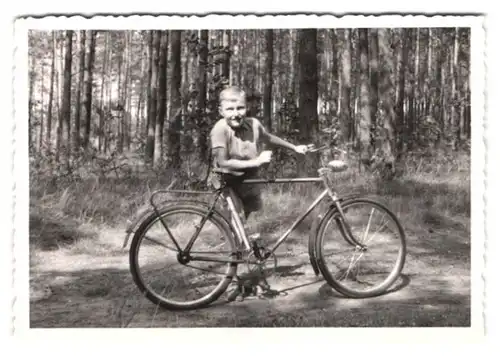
{"x": 302, "y": 149}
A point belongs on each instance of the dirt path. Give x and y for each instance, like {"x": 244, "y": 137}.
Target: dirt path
{"x": 76, "y": 288}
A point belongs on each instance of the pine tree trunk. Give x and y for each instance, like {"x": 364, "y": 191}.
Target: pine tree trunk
{"x": 101, "y": 132}
{"x": 411, "y": 95}
{"x": 108, "y": 116}
{"x": 162, "y": 97}
{"x": 42, "y": 101}
{"x": 364, "y": 136}
{"x": 242, "y": 80}
{"x": 59, "y": 95}
{"x": 334, "y": 88}
{"x": 291, "y": 56}
{"x": 127, "y": 91}
{"x": 416, "y": 71}
{"x": 345, "y": 94}
{"x": 308, "y": 95}
{"x": 268, "y": 82}
{"x": 32, "y": 77}
{"x": 66, "y": 100}
{"x": 428, "y": 105}
{"x": 226, "y": 43}
{"x": 140, "y": 96}
{"x": 202, "y": 118}
{"x": 87, "y": 79}
{"x": 175, "y": 116}
{"x": 387, "y": 137}
{"x": 48, "y": 133}
{"x": 454, "y": 117}
{"x": 278, "y": 77}
{"x": 401, "y": 125}
{"x": 440, "y": 114}
{"x": 374, "y": 79}
{"x": 81, "y": 70}
{"x": 154, "y": 44}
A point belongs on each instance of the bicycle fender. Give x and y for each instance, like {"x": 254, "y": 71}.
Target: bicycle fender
{"x": 312, "y": 243}
{"x": 348, "y": 197}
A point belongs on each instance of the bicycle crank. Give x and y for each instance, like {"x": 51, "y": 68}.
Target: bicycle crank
{"x": 262, "y": 265}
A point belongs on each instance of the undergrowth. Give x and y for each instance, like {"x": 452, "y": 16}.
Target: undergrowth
{"x": 429, "y": 190}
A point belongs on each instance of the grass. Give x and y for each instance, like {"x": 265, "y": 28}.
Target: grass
{"x": 77, "y": 229}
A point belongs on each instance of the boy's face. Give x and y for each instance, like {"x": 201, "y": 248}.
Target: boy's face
{"x": 233, "y": 109}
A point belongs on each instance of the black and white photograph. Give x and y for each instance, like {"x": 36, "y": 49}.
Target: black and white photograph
{"x": 253, "y": 173}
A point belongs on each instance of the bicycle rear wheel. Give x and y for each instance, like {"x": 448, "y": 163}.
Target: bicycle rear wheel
{"x": 347, "y": 267}
{"x": 157, "y": 269}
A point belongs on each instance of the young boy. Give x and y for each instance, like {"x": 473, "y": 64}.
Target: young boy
{"x": 236, "y": 142}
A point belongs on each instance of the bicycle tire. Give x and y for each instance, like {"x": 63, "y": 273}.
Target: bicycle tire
{"x": 201, "y": 210}
{"x": 379, "y": 289}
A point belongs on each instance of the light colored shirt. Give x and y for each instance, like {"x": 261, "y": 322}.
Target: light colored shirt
{"x": 241, "y": 143}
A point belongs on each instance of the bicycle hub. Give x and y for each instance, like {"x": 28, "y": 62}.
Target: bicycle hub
{"x": 183, "y": 258}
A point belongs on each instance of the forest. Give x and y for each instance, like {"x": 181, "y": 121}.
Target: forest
{"x": 116, "y": 115}
{"x": 120, "y": 99}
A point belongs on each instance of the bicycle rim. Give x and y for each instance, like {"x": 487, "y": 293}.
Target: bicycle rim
{"x": 159, "y": 274}
{"x": 348, "y": 268}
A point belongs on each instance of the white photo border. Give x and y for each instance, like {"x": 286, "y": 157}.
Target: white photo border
{"x": 321, "y": 335}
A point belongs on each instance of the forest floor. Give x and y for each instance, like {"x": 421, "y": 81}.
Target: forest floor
{"x": 79, "y": 272}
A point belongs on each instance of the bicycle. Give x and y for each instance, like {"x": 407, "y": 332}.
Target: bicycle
{"x": 239, "y": 249}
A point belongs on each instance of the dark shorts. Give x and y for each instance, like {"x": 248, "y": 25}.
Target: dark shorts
{"x": 246, "y": 197}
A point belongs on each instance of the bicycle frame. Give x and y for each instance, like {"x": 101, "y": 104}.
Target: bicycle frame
{"x": 300, "y": 218}
{"x": 238, "y": 225}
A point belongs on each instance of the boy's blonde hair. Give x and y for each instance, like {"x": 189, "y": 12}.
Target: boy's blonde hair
{"x": 231, "y": 92}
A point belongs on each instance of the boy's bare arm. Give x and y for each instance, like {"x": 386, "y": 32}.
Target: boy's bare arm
{"x": 273, "y": 139}
{"x": 236, "y": 164}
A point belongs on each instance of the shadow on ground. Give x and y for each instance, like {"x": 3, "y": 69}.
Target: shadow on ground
{"x": 434, "y": 290}
{"x": 49, "y": 233}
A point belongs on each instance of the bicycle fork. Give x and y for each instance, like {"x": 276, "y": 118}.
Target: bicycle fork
{"x": 341, "y": 221}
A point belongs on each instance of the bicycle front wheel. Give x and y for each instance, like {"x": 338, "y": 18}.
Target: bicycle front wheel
{"x": 165, "y": 278}
{"x": 366, "y": 261}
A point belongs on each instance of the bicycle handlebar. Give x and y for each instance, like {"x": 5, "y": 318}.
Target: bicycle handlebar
{"x": 311, "y": 148}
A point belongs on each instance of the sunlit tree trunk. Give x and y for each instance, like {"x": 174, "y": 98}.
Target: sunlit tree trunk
{"x": 60, "y": 73}
{"x": 175, "y": 116}
{"x": 162, "y": 97}
{"x": 31, "y": 85}
{"x": 81, "y": 71}
{"x": 291, "y": 56}
{"x": 66, "y": 100}
{"x": 42, "y": 105}
{"x": 154, "y": 45}
{"x": 454, "y": 109}
{"x": 140, "y": 96}
{"x": 364, "y": 136}
{"x": 374, "y": 79}
{"x": 48, "y": 133}
{"x": 87, "y": 94}
{"x": 401, "y": 125}
{"x": 345, "y": 93}
{"x": 101, "y": 132}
